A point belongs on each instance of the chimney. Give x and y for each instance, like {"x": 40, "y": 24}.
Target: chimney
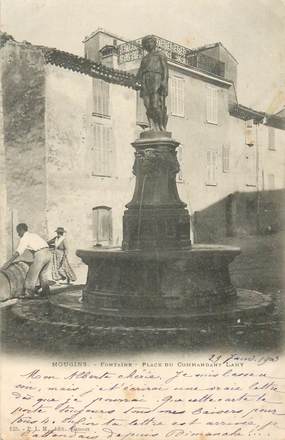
{"x": 100, "y": 45}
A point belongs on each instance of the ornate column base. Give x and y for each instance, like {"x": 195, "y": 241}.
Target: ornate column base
{"x": 156, "y": 218}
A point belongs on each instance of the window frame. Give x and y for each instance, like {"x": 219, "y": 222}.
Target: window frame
{"x": 226, "y": 148}
{"x": 105, "y": 100}
{"x": 96, "y": 231}
{"x": 212, "y": 104}
{"x": 103, "y": 170}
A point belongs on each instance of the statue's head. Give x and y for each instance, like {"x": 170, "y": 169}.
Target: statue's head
{"x": 149, "y": 42}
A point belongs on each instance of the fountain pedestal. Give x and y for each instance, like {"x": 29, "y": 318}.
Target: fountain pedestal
{"x": 156, "y": 218}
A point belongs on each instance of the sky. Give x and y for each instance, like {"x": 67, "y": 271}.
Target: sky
{"x": 252, "y": 30}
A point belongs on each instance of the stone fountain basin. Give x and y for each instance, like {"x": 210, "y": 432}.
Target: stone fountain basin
{"x": 159, "y": 281}
{"x": 152, "y": 291}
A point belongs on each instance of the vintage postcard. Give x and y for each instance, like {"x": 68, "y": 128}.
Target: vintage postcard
{"x": 142, "y": 218}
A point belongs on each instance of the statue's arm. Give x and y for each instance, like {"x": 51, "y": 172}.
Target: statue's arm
{"x": 164, "y": 67}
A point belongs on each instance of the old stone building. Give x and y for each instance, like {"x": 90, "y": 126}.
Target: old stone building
{"x": 67, "y": 124}
{"x": 232, "y": 157}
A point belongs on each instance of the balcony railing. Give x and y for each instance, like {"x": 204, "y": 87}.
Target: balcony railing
{"x": 133, "y": 51}
{"x": 206, "y": 63}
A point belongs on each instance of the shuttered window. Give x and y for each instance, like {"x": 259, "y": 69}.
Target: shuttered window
{"x": 102, "y": 150}
{"x": 177, "y": 94}
{"x": 101, "y": 96}
{"x": 211, "y": 160}
{"x": 226, "y": 158}
{"x": 102, "y": 225}
{"x": 212, "y": 105}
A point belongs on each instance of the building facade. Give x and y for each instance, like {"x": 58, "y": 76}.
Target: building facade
{"x": 232, "y": 157}
{"x": 66, "y": 128}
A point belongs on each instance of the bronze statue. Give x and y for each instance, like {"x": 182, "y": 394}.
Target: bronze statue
{"x": 153, "y": 76}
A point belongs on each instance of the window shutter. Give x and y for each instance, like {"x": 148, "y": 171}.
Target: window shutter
{"x": 102, "y": 225}
{"x": 177, "y": 96}
{"x": 102, "y": 150}
{"x": 101, "y": 94}
{"x": 226, "y": 158}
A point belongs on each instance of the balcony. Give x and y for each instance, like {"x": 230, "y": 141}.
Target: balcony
{"x": 176, "y": 53}
{"x": 206, "y": 63}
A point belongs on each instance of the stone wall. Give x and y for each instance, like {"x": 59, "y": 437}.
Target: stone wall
{"x": 72, "y": 189}
{"x": 23, "y": 100}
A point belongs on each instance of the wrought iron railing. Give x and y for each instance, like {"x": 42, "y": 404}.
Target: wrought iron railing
{"x": 133, "y": 51}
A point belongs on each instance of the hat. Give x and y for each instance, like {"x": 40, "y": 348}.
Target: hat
{"x": 60, "y": 229}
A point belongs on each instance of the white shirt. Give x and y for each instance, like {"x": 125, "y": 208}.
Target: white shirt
{"x": 32, "y": 242}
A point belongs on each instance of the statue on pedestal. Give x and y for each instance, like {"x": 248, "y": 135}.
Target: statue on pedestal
{"x": 153, "y": 76}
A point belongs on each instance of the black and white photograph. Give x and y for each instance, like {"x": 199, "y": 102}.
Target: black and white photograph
{"x": 142, "y": 215}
